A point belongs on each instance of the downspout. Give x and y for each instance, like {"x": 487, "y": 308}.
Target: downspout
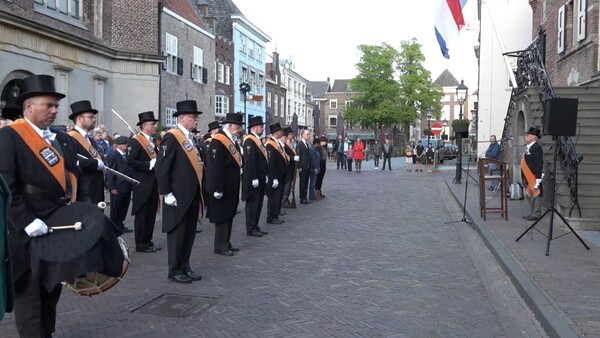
{"x": 160, "y": 70}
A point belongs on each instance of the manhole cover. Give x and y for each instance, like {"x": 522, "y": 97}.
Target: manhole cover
{"x": 179, "y": 306}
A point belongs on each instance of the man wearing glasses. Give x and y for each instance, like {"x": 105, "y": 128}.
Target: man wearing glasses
{"x": 84, "y": 117}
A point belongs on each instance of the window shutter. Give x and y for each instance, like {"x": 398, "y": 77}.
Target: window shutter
{"x": 581, "y": 19}
{"x": 164, "y": 65}
{"x": 179, "y": 66}
{"x": 198, "y": 56}
{"x": 560, "y": 39}
{"x": 204, "y": 75}
{"x": 192, "y": 71}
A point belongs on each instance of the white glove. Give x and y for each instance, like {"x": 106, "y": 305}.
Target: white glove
{"x": 37, "y": 228}
{"x": 101, "y": 165}
{"x": 218, "y": 195}
{"x": 266, "y": 179}
{"x": 152, "y": 163}
{"x": 275, "y": 183}
{"x": 255, "y": 183}
{"x": 538, "y": 182}
{"x": 170, "y": 200}
{"x": 296, "y": 158}
{"x": 241, "y": 171}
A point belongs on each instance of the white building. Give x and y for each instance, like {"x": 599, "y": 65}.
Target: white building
{"x": 296, "y": 93}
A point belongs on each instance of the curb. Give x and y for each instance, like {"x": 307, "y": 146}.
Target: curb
{"x": 551, "y": 319}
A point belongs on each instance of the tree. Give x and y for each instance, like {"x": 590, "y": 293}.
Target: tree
{"x": 417, "y": 92}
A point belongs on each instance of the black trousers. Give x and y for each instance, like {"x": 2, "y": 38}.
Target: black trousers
{"x": 304, "y": 183}
{"x": 387, "y": 159}
{"x": 119, "y": 204}
{"x": 341, "y": 159}
{"x": 223, "y": 235}
{"x": 376, "y": 161}
{"x": 274, "y": 204}
{"x": 144, "y": 222}
{"x": 180, "y": 240}
{"x": 254, "y": 207}
{"x": 322, "y": 168}
{"x": 287, "y": 189}
{"x": 35, "y": 307}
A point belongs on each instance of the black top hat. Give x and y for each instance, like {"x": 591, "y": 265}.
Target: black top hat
{"x": 121, "y": 140}
{"x": 275, "y": 127}
{"x": 534, "y": 131}
{"x": 213, "y": 125}
{"x": 186, "y": 107}
{"x": 12, "y": 111}
{"x": 37, "y": 85}
{"x": 234, "y": 118}
{"x": 146, "y": 117}
{"x": 81, "y": 107}
{"x": 287, "y": 130}
{"x": 255, "y": 121}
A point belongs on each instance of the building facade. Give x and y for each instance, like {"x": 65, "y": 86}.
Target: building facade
{"x": 296, "y": 94}
{"x": 276, "y": 92}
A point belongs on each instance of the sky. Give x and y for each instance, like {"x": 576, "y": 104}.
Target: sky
{"x": 322, "y": 36}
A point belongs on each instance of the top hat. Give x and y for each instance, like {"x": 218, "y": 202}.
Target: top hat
{"x": 213, "y": 125}
{"x": 275, "y": 127}
{"x": 186, "y": 107}
{"x": 234, "y": 118}
{"x": 255, "y": 121}
{"x": 534, "y": 131}
{"x": 37, "y": 85}
{"x": 12, "y": 111}
{"x": 121, "y": 140}
{"x": 146, "y": 117}
{"x": 81, "y": 107}
{"x": 287, "y": 130}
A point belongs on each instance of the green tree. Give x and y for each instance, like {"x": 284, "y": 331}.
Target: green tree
{"x": 417, "y": 91}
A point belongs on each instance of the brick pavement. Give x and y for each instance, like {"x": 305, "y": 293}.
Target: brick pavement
{"x": 373, "y": 259}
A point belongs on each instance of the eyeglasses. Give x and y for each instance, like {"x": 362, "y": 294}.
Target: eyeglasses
{"x": 91, "y": 117}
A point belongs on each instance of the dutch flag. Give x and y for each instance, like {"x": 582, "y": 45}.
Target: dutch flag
{"x": 448, "y": 21}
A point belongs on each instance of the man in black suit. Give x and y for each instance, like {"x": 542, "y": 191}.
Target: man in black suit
{"x": 278, "y": 166}
{"x": 302, "y": 150}
{"x": 119, "y": 188}
{"x": 287, "y": 138}
{"x": 39, "y": 185}
{"x": 141, "y": 158}
{"x": 387, "y": 149}
{"x": 84, "y": 117}
{"x": 254, "y": 177}
{"x": 224, "y": 169}
{"x": 531, "y": 171}
{"x": 179, "y": 170}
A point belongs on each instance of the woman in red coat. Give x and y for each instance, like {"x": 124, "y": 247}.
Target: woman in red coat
{"x": 359, "y": 154}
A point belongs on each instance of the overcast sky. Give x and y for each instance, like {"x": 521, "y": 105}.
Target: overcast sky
{"x": 321, "y": 36}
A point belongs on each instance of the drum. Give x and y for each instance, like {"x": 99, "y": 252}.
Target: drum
{"x": 93, "y": 283}
{"x": 65, "y": 254}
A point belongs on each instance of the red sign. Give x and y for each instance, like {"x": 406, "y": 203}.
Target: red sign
{"x": 436, "y": 128}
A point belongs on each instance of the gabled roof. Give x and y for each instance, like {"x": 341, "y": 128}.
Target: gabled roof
{"x": 317, "y": 89}
{"x": 446, "y": 79}
{"x": 340, "y": 86}
{"x": 186, "y": 10}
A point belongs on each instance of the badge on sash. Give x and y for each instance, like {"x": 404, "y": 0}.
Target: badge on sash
{"x": 187, "y": 145}
{"x": 93, "y": 151}
{"x": 49, "y": 156}
{"x": 232, "y": 149}
{"x": 150, "y": 149}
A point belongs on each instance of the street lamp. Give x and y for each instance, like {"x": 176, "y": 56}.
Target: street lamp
{"x": 445, "y": 124}
{"x": 429, "y": 116}
{"x": 245, "y": 89}
{"x": 461, "y": 96}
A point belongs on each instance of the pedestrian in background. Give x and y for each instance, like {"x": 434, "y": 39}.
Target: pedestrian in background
{"x": 359, "y": 154}
{"x": 387, "y": 149}
{"x": 350, "y": 157}
{"x": 376, "y": 149}
{"x": 429, "y": 155}
{"x": 322, "y": 168}
{"x": 420, "y": 152}
{"x": 408, "y": 152}
{"x": 492, "y": 152}
{"x": 339, "y": 148}
{"x": 315, "y": 167}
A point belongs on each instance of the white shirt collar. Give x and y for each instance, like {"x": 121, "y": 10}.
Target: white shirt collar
{"x": 81, "y": 131}
{"x": 253, "y": 133}
{"x": 121, "y": 152}
{"x": 146, "y": 135}
{"x": 185, "y": 131}
{"x": 228, "y": 134}
{"x": 37, "y": 130}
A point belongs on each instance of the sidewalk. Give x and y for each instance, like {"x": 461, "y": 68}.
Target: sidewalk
{"x": 562, "y": 289}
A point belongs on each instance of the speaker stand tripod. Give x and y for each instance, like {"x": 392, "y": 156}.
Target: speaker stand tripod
{"x": 464, "y": 211}
{"x": 552, "y": 209}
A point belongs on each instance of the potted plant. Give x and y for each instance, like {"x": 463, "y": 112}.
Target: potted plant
{"x": 461, "y": 126}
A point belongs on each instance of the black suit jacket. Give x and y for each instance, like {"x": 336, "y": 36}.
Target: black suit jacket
{"x": 20, "y": 166}
{"x": 92, "y": 182}
{"x": 175, "y": 174}
{"x": 139, "y": 162}
{"x": 389, "y": 153}
{"x": 278, "y": 168}
{"x": 304, "y": 153}
{"x": 116, "y": 161}
{"x": 292, "y": 164}
{"x": 224, "y": 176}
{"x": 535, "y": 159}
{"x": 256, "y": 166}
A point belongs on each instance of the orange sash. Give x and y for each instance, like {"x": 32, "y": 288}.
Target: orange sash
{"x": 291, "y": 148}
{"x": 282, "y": 152}
{"x": 259, "y": 144}
{"x": 193, "y": 156}
{"x": 145, "y": 143}
{"x": 46, "y": 154}
{"x": 530, "y": 178}
{"x": 230, "y": 146}
{"x": 85, "y": 144}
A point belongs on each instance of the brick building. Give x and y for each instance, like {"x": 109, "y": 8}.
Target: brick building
{"x": 276, "y": 92}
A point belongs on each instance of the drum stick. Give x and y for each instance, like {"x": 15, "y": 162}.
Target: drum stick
{"x": 117, "y": 173}
{"x": 77, "y": 226}
{"x": 127, "y": 124}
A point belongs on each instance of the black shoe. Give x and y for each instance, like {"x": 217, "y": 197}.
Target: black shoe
{"x": 274, "y": 221}
{"x": 224, "y": 252}
{"x": 282, "y": 213}
{"x": 526, "y": 217}
{"x": 233, "y": 249}
{"x": 303, "y": 202}
{"x": 491, "y": 188}
{"x": 255, "y": 233}
{"x": 126, "y": 229}
{"x": 309, "y": 201}
{"x": 156, "y": 247}
{"x": 146, "y": 249}
{"x": 263, "y": 232}
{"x": 532, "y": 218}
{"x": 392, "y": 170}
{"x": 183, "y": 279}
{"x": 286, "y": 205}
{"x": 194, "y": 276}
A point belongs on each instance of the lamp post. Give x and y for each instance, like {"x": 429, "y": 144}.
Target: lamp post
{"x": 429, "y": 116}
{"x": 445, "y": 124}
{"x": 245, "y": 89}
{"x": 461, "y": 95}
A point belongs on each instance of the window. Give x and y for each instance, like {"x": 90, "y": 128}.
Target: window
{"x": 544, "y": 6}
{"x": 244, "y": 75}
{"x": 252, "y": 81}
{"x": 221, "y": 73}
{"x": 242, "y": 44}
{"x": 560, "y": 42}
{"x": 333, "y": 104}
{"x": 332, "y": 121}
{"x": 221, "y": 105}
{"x": 251, "y": 49}
{"x": 347, "y": 103}
{"x": 258, "y": 53}
{"x": 275, "y": 105}
{"x": 170, "y": 121}
{"x": 227, "y": 75}
{"x": 269, "y": 99}
{"x": 581, "y": 18}
{"x": 65, "y": 8}
{"x": 171, "y": 49}
{"x": 282, "y": 106}
{"x": 197, "y": 64}
{"x": 260, "y": 83}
